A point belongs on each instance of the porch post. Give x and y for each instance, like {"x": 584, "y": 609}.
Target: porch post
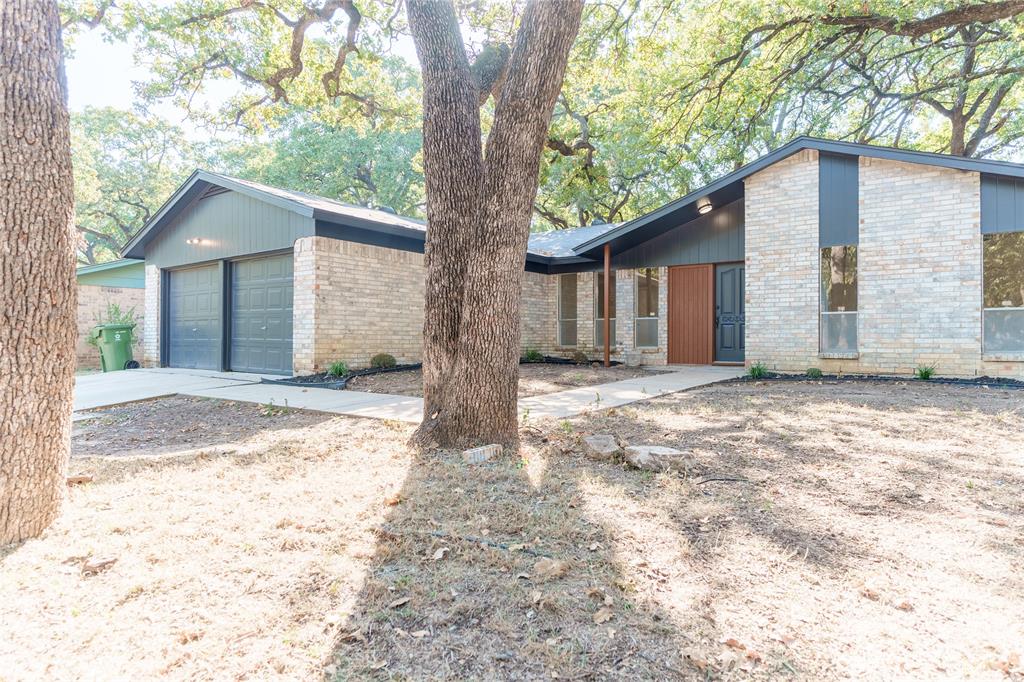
{"x": 607, "y": 305}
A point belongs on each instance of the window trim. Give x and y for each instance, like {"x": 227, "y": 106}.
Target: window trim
{"x": 822, "y": 305}
{"x": 636, "y": 308}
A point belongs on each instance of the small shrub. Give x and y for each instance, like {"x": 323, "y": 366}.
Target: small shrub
{"x": 579, "y": 357}
{"x": 533, "y": 355}
{"x": 757, "y": 371}
{"x": 114, "y": 315}
{"x": 813, "y": 373}
{"x": 924, "y": 372}
{"x": 337, "y": 369}
{"x": 383, "y": 361}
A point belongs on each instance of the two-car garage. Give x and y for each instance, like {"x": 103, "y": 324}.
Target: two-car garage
{"x": 233, "y": 315}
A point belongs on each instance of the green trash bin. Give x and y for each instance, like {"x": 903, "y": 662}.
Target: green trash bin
{"x": 115, "y": 344}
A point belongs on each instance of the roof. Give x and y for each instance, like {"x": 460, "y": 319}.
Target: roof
{"x": 111, "y": 265}
{"x": 729, "y": 187}
{"x": 542, "y": 246}
{"x": 560, "y": 243}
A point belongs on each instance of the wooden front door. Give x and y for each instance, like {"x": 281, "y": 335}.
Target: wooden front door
{"x": 691, "y": 314}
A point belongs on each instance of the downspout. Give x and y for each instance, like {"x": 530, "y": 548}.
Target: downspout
{"x": 607, "y": 305}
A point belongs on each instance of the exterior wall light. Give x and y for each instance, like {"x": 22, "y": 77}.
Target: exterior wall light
{"x": 194, "y": 240}
{"x": 704, "y": 205}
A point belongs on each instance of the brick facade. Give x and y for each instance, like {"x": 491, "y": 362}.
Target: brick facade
{"x": 781, "y": 297}
{"x": 919, "y": 270}
{"x": 93, "y": 303}
{"x": 151, "y": 334}
{"x": 353, "y": 301}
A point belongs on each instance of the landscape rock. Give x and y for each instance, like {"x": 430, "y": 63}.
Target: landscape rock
{"x": 602, "y": 446}
{"x": 658, "y": 458}
{"x": 484, "y": 453}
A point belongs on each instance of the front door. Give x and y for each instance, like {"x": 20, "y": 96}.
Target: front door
{"x": 729, "y": 313}
{"x": 690, "y": 313}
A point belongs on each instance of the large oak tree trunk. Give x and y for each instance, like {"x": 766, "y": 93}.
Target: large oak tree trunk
{"x": 37, "y": 270}
{"x": 471, "y": 377}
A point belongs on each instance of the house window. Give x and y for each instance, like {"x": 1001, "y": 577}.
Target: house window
{"x": 599, "y": 309}
{"x": 839, "y": 299}
{"x": 567, "y": 310}
{"x": 647, "y": 308}
{"x": 1004, "y": 292}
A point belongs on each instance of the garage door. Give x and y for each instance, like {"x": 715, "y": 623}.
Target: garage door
{"x": 261, "y": 315}
{"x": 193, "y": 325}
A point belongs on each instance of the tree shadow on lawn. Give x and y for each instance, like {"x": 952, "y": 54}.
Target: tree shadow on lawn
{"x": 452, "y": 607}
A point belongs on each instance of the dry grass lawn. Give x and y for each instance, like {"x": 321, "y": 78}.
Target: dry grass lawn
{"x": 534, "y": 379}
{"x": 878, "y": 532}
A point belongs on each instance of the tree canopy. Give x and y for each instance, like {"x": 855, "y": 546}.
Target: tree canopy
{"x": 659, "y": 96}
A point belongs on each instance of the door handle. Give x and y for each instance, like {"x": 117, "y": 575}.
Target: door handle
{"x": 195, "y": 329}
{"x": 263, "y": 329}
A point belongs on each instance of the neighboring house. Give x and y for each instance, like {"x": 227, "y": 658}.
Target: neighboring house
{"x": 820, "y": 254}
{"x": 121, "y": 283}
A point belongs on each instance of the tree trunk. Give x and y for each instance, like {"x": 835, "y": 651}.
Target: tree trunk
{"x": 475, "y": 398}
{"x": 37, "y": 270}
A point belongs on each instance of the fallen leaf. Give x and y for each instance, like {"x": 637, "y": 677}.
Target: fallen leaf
{"x": 522, "y": 576}
{"x": 869, "y": 593}
{"x": 905, "y": 605}
{"x": 601, "y": 596}
{"x": 603, "y": 615}
{"x": 379, "y": 665}
{"x": 401, "y": 601}
{"x": 754, "y": 656}
{"x": 79, "y": 479}
{"x": 594, "y": 546}
{"x": 440, "y": 553}
{"x": 733, "y": 644}
{"x": 392, "y": 500}
{"x": 548, "y": 569}
{"x": 355, "y": 634}
{"x": 516, "y": 548}
{"x": 419, "y": 634}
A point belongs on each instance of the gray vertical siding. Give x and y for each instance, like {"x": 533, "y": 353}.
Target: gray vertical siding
{"x": 230, "y": 225}
{"x": 713, "y": 238}
{"x": 1002, "y": 204}
{"x": 838, "y": 214}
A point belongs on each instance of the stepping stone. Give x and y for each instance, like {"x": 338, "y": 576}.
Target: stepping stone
{"x": 602, "y": 446}
{"x": 659, "y": 458}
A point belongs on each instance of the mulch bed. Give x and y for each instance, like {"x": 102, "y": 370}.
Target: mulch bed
{"x": 984, "y": 382}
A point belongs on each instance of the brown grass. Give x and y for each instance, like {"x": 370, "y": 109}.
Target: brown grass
{"x": 879, "y": 534}
{"x": 534, "y": 379}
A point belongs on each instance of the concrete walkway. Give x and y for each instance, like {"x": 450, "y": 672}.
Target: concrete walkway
{"x": 578, "y": 400}
{"x": 104, "y": 390}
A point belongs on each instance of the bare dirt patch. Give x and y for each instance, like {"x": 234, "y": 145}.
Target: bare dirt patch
{"x": 180, "y": 423}
{"x": 534, "y": 379}
{"x": 878, "y": 532}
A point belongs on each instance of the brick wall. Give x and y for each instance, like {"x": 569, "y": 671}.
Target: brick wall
{"x": 353, "y": 301}
{"x": 151, "y": 337}
{"x": 919, "y": 278}
{"x": 919, "y": 289}
{"x": 625, "y": 318}
{"x": 93, "y": 302}
{"x": 781, "y": 297}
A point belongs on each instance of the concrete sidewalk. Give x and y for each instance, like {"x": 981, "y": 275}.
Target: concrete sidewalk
{"x": 104, "y": 390}
{"x": 578, "y": 400}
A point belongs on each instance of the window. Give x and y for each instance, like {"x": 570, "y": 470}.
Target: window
{"x": 1004, "y": 292}
{"x": 839, "y": 299}
{"x": 599, "y": 310}
{"x": 567, "y": 310}
{"x": 647, "y": 308}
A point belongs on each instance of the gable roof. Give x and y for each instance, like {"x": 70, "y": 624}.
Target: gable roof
{"x": 730, "y": 187}
{"x": 110, "y": 265}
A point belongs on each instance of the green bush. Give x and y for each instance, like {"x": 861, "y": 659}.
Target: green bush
{"x": 813, "y": 373}
{"x": 757, "y": 371}
{"x": 114, "y": 315}
{"x": 924, "y": 372}
{"x": 580, "y": 358}
{"x": 383, "y": 361}
{"x": 337, "y": 369}
{"x": 533, "y": 355}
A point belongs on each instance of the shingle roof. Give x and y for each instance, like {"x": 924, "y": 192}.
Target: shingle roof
{"x": 559, "y": 243}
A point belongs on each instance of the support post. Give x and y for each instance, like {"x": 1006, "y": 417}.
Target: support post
{"x": 607, "y": 305}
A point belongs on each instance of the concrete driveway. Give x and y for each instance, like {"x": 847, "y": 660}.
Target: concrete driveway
{"x": 113, "y": 388}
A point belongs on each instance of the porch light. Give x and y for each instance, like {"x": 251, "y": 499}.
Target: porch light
{"x": 193, "y": 240}
{"x": 704, "y": 205}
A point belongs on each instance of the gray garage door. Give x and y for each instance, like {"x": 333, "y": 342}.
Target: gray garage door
{"x": 193, "y": 325}
{"x": 261, "y": 315}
